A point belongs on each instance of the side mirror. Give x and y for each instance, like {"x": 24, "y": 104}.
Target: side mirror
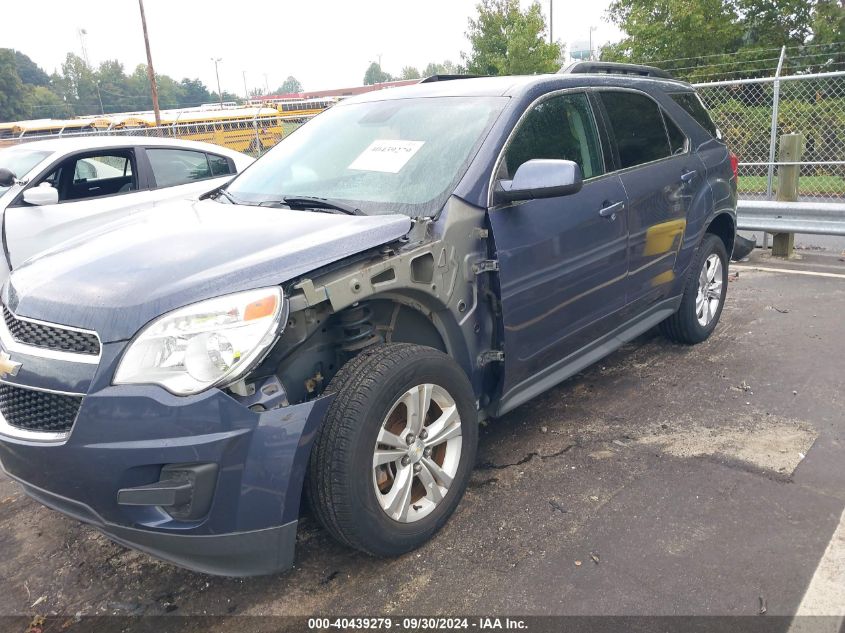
{"x": 42, "y": 195}
{"x": 541, "y": 178}
{"x": 7, "y": 177}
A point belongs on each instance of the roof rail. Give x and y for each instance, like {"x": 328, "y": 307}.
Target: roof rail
{"x": 434, "y": 78}
{"x": 615, "y": 68}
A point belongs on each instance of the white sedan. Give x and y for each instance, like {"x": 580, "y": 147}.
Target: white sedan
{"x": 56, "y": 189}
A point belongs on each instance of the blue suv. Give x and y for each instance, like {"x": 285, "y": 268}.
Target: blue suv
{"x": 331, "y": 326}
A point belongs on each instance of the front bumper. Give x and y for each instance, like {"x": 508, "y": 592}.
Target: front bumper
{"x": 125, "y": 435}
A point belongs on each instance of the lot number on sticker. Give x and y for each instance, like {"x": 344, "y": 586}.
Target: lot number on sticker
{"x": 387, "y": 155}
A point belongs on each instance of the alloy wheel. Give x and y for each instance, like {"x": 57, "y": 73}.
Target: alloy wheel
{"x": 417, "y": 453}
{"x": 709, "y": 290}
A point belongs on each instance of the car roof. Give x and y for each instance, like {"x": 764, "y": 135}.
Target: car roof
{"x": 516, "y": 85}
{"x": 84, "y": 143}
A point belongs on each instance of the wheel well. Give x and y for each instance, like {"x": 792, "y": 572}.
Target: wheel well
{"x": 723, "y": 227}
{"x": 397, "y": 322}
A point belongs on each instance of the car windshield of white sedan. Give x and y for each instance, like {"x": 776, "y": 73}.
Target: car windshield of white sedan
{"x": 20, "y": 161}
{"x": 394, "y": 156}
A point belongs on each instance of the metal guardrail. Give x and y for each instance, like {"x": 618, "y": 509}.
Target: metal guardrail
{"x": 819, "y": 218}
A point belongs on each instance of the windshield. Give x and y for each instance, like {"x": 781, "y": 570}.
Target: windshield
{"x": 20, "y": 161}
{"x": 395, "y": 156}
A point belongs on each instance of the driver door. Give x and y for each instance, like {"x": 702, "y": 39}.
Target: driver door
{"x": 562, "y": 260}
{"x": 94, "y": 188}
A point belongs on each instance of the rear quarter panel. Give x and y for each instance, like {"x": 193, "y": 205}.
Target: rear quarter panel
{"x": 717, "y": 196}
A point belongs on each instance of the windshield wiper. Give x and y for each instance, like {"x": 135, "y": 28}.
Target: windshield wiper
{"x": 313, "y": 202}
{"x": 220, "y": 191}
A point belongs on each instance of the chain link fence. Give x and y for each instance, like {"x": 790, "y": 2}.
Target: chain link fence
{"x": 753, "y": 114}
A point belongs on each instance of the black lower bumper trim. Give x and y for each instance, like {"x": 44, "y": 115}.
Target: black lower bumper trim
{"x": 255, "y": 553}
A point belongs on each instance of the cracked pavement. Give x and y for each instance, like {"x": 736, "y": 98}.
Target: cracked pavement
{"x": 663, "y": 480}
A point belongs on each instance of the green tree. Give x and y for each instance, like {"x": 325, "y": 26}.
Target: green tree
{"x": 30, "y": 72}
{"x": 194, "y": 92}
{"x": 13, "y": 94}
{"x": 769, "y": 23}
{"x": 445, "y": 68}
{"x": 410, "y": 72}
{"x": 375, "y": 75}
{"x": 672, "y": 29}
{"x": 43, "y": 103}
{"x": 506, "y": 40}
{"x": 828, "y": 22}
{"x": 289, "y": 86}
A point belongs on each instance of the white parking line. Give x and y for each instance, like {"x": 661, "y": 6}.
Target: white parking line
{"x": 812, "y": 273}
{"x": 825, "y": 596}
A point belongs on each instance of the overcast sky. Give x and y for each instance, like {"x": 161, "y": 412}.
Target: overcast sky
{"x": 323, "y": 43}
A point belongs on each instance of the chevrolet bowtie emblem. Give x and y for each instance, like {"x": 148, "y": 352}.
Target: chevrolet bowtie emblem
{"x": 8, "y": 367}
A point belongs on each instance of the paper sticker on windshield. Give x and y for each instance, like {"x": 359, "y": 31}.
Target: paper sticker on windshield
{"x": 387, "y": 155}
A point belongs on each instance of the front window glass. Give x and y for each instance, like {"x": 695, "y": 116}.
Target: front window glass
{"x": 394, "y": 156}
{"x": 20, "y": 161}
{"x": 562, "y": 128}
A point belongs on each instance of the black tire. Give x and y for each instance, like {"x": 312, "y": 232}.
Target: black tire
{"x": 339, "y": 482}
{"x": 683, "y": 326}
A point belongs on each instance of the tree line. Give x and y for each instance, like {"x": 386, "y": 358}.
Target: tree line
{"x": 77, "y": 88}
{"x": 694, "y": 39}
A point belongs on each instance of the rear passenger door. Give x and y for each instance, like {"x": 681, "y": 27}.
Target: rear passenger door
{"x": 562, "y": 260}
{"x": 661, "y": 176}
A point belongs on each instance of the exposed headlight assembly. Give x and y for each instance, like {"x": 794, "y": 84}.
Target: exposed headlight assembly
{"x": 206, "y": 344}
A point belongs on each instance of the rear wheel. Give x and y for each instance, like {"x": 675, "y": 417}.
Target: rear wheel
{"x": 395, "y": 452}
{"x": 704, "y": 295}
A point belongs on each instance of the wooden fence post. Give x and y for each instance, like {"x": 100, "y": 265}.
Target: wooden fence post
{"x": 791, "y": 147}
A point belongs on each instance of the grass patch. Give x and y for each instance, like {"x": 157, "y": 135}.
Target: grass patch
{"x": 807, "y": 185}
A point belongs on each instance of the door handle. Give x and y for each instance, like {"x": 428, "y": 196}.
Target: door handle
{"x": 610, "y": 210}
{"x": 688, "y": 176}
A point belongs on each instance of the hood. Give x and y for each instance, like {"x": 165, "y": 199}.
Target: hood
{"x": 117, "y": 279}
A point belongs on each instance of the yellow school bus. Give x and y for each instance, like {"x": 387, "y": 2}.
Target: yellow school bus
{"x": 295, "y": 110}
{"x": 250, "y": 130}
{"x": 16, "y": 131}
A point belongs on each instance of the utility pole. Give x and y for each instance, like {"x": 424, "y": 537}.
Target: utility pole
{"x": 551, "y": 21}
{"x": 216, "y": 61}
{"x": 246, "y": 92}
{"x": 266, "y": 85}
{"x": 592, "y": 28}
{"x": 150, "y": 71}
{"x": 100, "y": 97}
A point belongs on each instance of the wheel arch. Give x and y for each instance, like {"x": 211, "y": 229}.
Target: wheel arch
{"x": 420, "y": 318}
{"x": 723, "y": 226}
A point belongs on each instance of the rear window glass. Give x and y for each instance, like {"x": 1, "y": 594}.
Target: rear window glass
{"x": 690, "y": 102}
{"x": 178, "y": 166}
{"x": 638, "y": 127}
{"x": 219, "y": 165}
{"x": 677, "y": 140}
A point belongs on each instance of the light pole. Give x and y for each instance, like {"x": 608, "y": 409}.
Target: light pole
{"x": 150, "y": 72}
{"x": 246, "y": 91}
{"x": 592, "y": 28}
{"x": 551, "y": 21}
{"x": 216, "y": 61}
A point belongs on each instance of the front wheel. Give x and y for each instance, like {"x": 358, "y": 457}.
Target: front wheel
{"x": 394, "y": 455}
{"x": 704, "y": 295}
